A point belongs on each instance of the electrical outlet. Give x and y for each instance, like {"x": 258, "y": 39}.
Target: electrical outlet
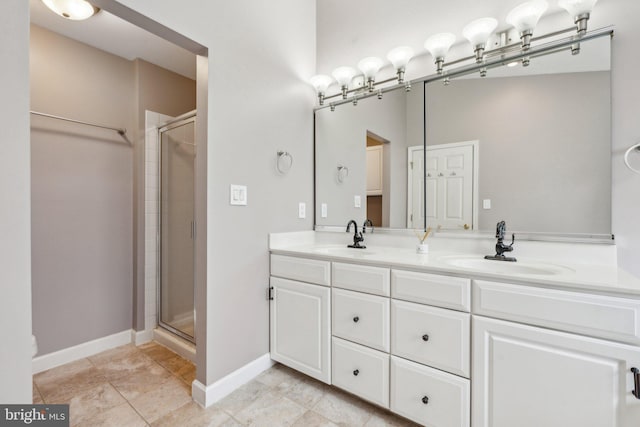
{"x": 323, "y": 209}
{"x": 357, "y": 201}
{"x": 302, "y": 210}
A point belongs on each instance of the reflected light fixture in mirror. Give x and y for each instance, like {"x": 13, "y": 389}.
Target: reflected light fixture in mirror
{"x": 524, "y": 19}
{"x": 75, "y": 10}
{"x": 399, "y": 58}
{"x": 438, "y": 45}
{"x": 321, "y": 83}
{"x": 343, "y": 76}
{"x": 370, "y": 67}
{"x": 579, "y": 11}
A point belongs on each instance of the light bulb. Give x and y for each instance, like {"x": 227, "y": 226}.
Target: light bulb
{"x": 370, "y": 67}
{"x": 400, "y": 57}
{"x": 321, "y": 83}
{"x": 438, "y": 45}
{"x": 579, "y": 11}
{"x": 343, "y": 76}
{"x": 525, "y": 17}
{"x": 478, "y": 32}
{"x": 75, "y": 10}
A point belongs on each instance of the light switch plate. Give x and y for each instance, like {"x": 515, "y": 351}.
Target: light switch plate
{"x": 302, "y": 210}
{"x": 357, "y": 202}
{"x": 486, "y": 204}
{"x": 238, "y": 195}
{"x": 323, "y": 209}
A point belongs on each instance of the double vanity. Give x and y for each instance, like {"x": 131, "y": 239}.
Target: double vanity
{"x": 450, "y": 339}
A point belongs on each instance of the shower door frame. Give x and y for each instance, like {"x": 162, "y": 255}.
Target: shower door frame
{"x": 167, "y": 126}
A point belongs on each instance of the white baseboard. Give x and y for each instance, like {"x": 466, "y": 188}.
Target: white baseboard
{"x": 208, "y": 395}
{"x": 71, "y": 354}
{"x": 141, "y": 337}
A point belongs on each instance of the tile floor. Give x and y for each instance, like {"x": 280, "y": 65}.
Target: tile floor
{"x": 151, "y": 385}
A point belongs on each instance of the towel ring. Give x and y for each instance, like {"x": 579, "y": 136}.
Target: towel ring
{"x": 626, "y": 157}
{"x": 343, "y": 172}
{"x": 284, "y": 161}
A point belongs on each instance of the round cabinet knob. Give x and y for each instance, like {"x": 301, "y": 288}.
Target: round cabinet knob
{"x": 425, "y": 399}
{"x": 440, "y": 174}
{"x": 428, "y": 175}
{"x": 453, "y": 174}
{"x": 356, "y": 319}
{"x": 356, "y": 372}
{"x": 425, "y": 337}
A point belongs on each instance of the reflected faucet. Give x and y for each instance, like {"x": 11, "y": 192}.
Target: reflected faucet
{"x": 501, "y": 248}
{"x": 364, "y": 225}
{"x": 357, "y": 236}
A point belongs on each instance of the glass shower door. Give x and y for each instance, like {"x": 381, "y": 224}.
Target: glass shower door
{"x": 177, "y": 228}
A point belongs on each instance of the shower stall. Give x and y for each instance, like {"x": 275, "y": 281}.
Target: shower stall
{"x": 176, "y": 226}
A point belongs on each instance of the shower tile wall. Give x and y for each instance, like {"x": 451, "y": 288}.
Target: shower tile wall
{"x": 152, "y": 121}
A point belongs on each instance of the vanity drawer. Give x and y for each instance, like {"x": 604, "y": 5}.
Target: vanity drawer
{"x": 432, "y": 289}
{"x": 599, "y": 316}
{"x": 361, "y": 318}
{"x": 434, "y": 336}
{"x": 303, "y": 269}
{"x": 428, "y": 396}
{"x": 363, "y": 278}
{"x": 361, "y": 371}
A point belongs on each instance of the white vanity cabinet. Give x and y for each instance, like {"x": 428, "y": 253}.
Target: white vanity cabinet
{"x": 529, "y": 376}
{"x": 300, "y": 315}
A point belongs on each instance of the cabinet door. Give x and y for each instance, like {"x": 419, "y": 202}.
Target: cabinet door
{"x": 300, "y": 329}
{"x": 531, "y": 377}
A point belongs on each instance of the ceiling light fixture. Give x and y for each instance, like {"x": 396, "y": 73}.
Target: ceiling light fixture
{"x": 370, "y": 67}
{"x": 525, "y": 18}
{"x": 478, "y": 32}
{"x": 75, "y": 10}
{"x": 580, "y": 11}
{"x": 321, "y": 83}
{"x": 343, "y": 76}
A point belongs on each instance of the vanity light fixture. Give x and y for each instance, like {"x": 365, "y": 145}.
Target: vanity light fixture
{"x": 343, "y": 76}
{"x": 478, "y": 32}
{"x": 438, "y": 45}
{"x": 525, "y": 17}
{"x": 399, "y": 58}
{"x": 580, "y": 11}
{"x": 321, "y": 83}
{"x": 75, "y": 10}
{"x": 370, "y": 67}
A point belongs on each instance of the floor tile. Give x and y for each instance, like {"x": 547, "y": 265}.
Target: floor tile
{"x": 313, "y": 419}
{"x": 125, "y": 366}
{"x": 243, "y": 397}
{"x": 344, "y": 409}
{"x": 142, "y": 381}
{"x": 193, "y": 415}
{"x": 160, "y": 401}
{"x": 37, "y": 397}
{"x": 63, "y": 389}
{"x": 156, "y": 351}
{"x": 270, "y": 410}
{"x": 275, "y": 375}
{"x": 84, "y": 406}
{"x": 120, "y": 416}
{"x": 383, "y": 418}
{"x": 303, "y": 390}
{"x": 62, "y": 372}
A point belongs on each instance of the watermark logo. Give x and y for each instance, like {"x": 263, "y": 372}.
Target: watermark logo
{"x": 34, "y": 415}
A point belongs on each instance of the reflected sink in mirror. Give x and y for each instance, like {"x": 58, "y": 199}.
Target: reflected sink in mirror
{"x": 343, "y": 251}
{"x": 505, "y": 267}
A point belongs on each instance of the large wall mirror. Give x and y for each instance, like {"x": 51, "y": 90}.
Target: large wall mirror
{"x": 528, "y": 145}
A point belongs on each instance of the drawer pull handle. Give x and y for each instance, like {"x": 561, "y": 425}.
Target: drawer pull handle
{"x": 425, "y": 400}
{"x": 425, "y": 337}
{"x": 636, "y": 382}
{"x": 355, "y": 373}
{"x": 356, "y": 319}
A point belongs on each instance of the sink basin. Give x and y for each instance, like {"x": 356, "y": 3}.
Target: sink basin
{"x": 505, "y": 267}
{"x": 343, "y": 251}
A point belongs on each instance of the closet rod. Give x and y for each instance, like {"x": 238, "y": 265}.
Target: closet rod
{"x": 121, "y": 132}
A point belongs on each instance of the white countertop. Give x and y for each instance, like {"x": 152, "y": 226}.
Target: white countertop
{"x": 567, "y": 273}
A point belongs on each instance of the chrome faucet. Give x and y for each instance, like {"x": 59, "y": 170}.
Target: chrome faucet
{"x": 357, "y": 236}
{"x": 501, "y": 248}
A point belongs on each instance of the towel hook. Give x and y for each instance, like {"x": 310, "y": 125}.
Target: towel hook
{"x": 626, "y": 157}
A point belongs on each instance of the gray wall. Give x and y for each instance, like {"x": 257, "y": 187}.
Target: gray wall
{"x": 81, "y": 192}
{"x": 544, "y": 144}
{"x": 341, "y": 139}
{"x": 339, "y": 44}
{"x": 259, "y": 103}
{"x": 15, "y": 244}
